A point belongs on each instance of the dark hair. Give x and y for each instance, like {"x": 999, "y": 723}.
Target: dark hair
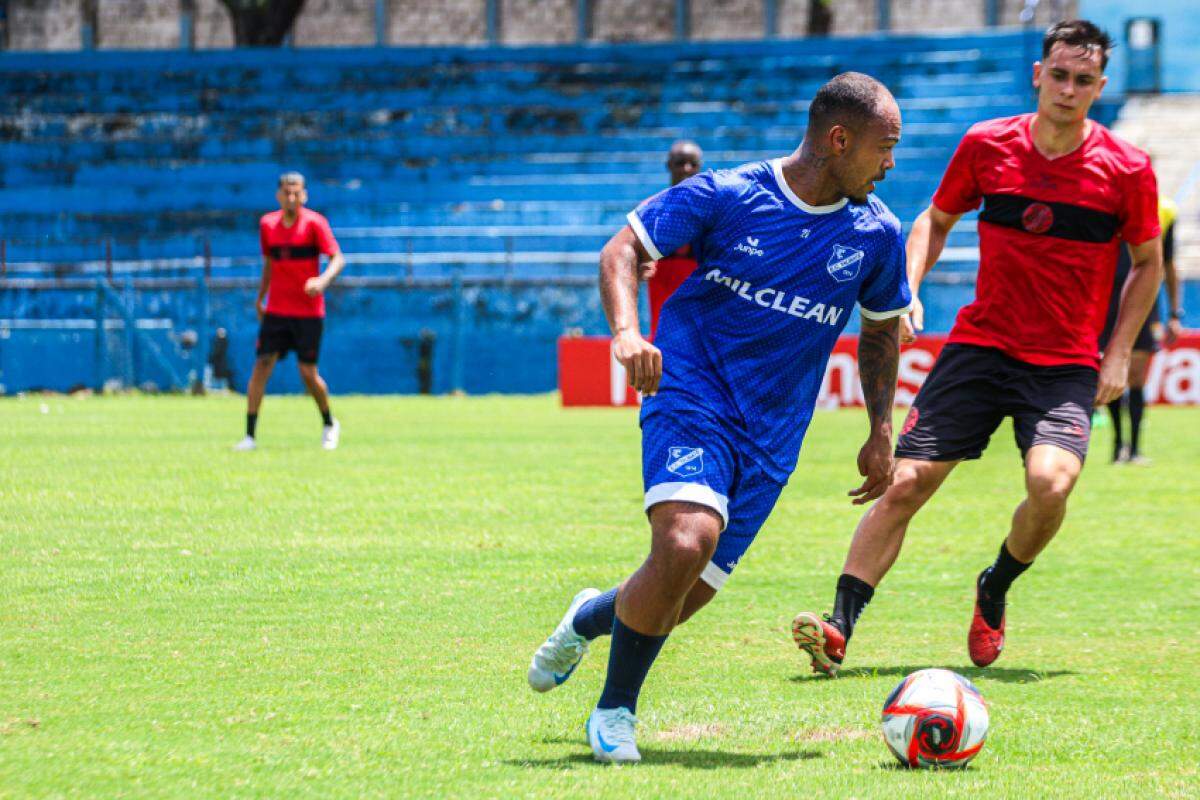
{"x": 1078, "y": 33}
{"x": 850, "y": 99}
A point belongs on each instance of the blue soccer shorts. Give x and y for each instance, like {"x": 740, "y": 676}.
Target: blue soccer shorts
{"x": 692, "y": 458}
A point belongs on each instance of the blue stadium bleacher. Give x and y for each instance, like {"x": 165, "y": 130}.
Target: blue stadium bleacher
{"x": 445, "y": 170}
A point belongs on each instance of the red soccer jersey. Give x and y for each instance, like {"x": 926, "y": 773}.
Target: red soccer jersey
{"x": 1048, "y": 236}
{"x": 669, "y": 275}
{"x": 295, "y": 254}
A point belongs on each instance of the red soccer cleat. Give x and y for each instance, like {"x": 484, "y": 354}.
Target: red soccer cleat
{"x": 821, "y": 639}
{"x": 984, "y": 642}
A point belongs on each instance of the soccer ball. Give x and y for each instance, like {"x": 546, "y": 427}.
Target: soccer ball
{"x": 935, "y": 718}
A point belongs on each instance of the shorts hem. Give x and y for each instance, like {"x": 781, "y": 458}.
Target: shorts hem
{"x": 1058, "y": 446}
{"x": 683, "y": 492}
{"x": 714, "y": 576}
{"x": 915, "y": 455}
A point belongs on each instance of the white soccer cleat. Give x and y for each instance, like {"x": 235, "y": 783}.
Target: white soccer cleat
{"x": 610, "y": 732}
{"x": 245, "y": 444}
{"x": 330, "y": 434}
{"x": 561, "y": 653}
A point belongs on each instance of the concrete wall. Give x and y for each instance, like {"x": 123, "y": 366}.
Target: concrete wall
{"x": 444, "y": 22}
{"x": 932, "y": 15}
{"x": 212, "y": 27}
{"x": 44, "y": 24}
{"x": 335, "y": 23}
{"x": 538, "y": 21}
{"x": 621, "y": 21}
{"x": 138, "y": 24}
{"x": 727, "y": 19}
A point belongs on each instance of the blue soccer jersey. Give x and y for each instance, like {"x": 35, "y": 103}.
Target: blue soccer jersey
{"x": 746, "y": 338}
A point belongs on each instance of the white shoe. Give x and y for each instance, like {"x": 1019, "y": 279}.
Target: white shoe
{"x": 245, "y": 444}
{"x": 561, "y": 653}
{"x": 330, "y": 435}
{"x": 610, "y": 732}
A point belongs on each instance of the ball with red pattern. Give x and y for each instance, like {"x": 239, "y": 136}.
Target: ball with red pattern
{"x": 935, "y": 718}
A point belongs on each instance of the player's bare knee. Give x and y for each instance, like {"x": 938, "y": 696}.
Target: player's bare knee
{"x": 910, "y": 488}
{"x": 689, "y": 546}
{"x": 686, "y": 541}
{"x": 1049, "y": 489}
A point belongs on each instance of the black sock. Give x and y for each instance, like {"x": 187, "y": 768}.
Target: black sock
{"x": 994, "y": 583}
{"x": 1114, "y": 410}
{"x": 595, "y": 617}
{"x": 852, "y": 597}
{"x": 327, "y": 417}
{"x": 1137, "y": 406}
{"x": 629, "y": 660}
{"x": 251, "y": 424}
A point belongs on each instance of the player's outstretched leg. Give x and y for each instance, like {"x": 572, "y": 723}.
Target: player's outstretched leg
{"x": 1050, "y": 474}
{"x": 874, "y": 549}
{"x": 564, "y": 648}
{"x": 591, "y": 619}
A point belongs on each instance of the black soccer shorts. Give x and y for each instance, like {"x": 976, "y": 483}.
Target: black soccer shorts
{"x": 972, "y": 389}
{"x": 278, "y": 334}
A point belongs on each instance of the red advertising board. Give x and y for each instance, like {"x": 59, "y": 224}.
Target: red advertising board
{"x": 588, "y": 375}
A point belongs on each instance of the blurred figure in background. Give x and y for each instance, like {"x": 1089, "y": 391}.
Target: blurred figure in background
{"x": 1147, "y": 342}
{"x": 664, "y": 276}
{"x": 293, "y": 286}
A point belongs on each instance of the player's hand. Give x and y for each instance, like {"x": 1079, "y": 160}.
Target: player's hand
{"x": 912, "y": 323}
{"x": 314, "y": 287}
{"x": 876, "y": 466}
{"x": 259, "y": 308}
{"x": 1114, "y": 375}
{"x": 642, "y": 361}
{"x": 646, "y": 271}
{"x": 1174, "y": 329}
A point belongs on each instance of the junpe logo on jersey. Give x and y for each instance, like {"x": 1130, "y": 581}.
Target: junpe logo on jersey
{"x": 685, "y": 461}
{"x": 750, "y": 247}
{"x": 844, "y": 263}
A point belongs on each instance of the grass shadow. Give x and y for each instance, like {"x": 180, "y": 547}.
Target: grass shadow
{"x": 1002, "y": 674}
{"x": 690, "y": 759}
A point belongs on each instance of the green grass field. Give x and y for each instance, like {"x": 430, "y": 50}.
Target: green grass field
{"x": 177, "y": 620}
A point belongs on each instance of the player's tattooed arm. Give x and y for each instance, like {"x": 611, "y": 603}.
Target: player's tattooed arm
{"x": 619, "y": 263}
{"x": 878, "y": 358}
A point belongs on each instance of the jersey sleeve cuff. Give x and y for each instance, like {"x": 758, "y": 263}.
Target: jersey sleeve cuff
{"x": 945, "y": 206}
{"x": 1144, "y": 235}
{"x": 643, "y": 236}
{"x": 876, "y": 316}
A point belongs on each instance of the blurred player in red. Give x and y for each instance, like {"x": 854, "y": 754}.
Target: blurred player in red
{"x": 293, "y": 286}
{"x": 665, "y": 276}
{"x": 1060, "y": 194}
{"x": 1147, "y": 342}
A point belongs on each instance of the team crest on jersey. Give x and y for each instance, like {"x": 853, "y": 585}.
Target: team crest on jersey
{"x": 844, "y": 263}
{"x": 685, "y": 461}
